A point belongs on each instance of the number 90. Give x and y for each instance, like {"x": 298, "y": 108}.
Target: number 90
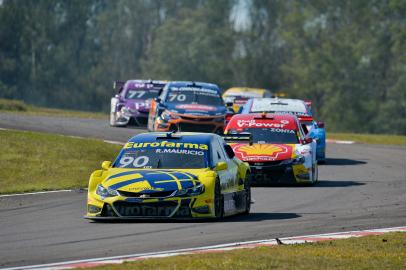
{"x": 137, "y": 162}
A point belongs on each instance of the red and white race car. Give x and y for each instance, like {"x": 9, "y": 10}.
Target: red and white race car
{"x": 278, "y": 152}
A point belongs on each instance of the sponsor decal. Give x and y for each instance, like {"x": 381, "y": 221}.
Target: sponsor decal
{"x": 196, "y": 107}
{"x": 261, "y": 124}
{"x": 261, "y": 152}
{"x": 135, "y": 145}
{"x": 180, "y": 151}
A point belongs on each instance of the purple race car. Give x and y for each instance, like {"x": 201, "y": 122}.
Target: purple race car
{"x": 131, "y": 104}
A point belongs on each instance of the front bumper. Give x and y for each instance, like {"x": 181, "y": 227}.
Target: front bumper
{"x": 276, "y": 173}
{"x": 130, "y": 208}
{"x": 136, "y": 118}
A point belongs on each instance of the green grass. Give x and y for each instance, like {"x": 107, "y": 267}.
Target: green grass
{"x": 16, "y": 106}
{"x": 372, "y": 252}
{"x": 32, "y": 161}
{"x": 369, "y": 138}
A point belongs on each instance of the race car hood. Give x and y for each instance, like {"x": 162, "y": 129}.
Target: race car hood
{"x": 137, "y": 104}
{"x": 149, "y": 181}
{"x": 263, "y": 152}
{"x": 197, "y": 109}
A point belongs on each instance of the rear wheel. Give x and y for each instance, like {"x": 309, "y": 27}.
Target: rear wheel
{"x": 218, "y": 201}
{"x": 247, "y": 188}
{"x": 315, "y": 173}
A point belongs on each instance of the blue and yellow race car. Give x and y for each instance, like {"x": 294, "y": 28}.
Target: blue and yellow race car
{"x": 170, "y": 175}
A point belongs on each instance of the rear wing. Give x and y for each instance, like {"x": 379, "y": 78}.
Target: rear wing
{"x": 238, "y": 138}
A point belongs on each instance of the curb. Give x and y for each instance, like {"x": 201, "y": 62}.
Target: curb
{"x": 209, "y": 249}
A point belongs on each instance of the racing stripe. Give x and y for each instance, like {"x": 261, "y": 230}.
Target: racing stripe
{"x": 120, "y": 174}
{"x": 126, "y": 183}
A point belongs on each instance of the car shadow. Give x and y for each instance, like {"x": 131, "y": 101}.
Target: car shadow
{"x": 343, "y": 162}
{"x": 252, "y": 217}
{"x": 338, "y": 183}
{"x": 320, "y": 183}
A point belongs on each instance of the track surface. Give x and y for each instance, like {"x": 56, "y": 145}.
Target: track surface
{"x": 361, "y": 187}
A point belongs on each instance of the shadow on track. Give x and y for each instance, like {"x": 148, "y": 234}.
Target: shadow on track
{"x": 337, "y": 183}
{"x": 343, "y": 162}
{"x": 252, "y": 217}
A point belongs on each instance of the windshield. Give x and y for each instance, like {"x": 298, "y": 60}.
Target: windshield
{"x": 271, "y": 135}
{"x": 163, "y": 158}
{"x": 141, "y": 93}
{"x": 187, "y": 95}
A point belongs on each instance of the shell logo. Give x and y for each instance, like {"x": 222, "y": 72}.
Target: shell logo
{"x": 266, "y": 152}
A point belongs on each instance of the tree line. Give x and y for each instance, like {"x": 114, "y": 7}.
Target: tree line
{"x": 348, "y": 57}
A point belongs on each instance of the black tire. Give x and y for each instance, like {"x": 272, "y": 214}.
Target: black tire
{"x": 218, "y": 201}
{"x": 247, "y": 188}
{"x": 315, "y": 171}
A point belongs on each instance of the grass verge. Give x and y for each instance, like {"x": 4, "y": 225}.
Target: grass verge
{"x": 371, "y": 252}
{"x": 369, "y": 138}
{"x": 16, "y": 106}
{"x": 31, "y": 161}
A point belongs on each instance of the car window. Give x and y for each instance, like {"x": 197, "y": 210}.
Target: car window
{"x": 163, "y": 155}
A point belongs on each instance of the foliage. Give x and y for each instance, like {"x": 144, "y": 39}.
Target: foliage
{"x": 33, "y": 161}
{"x": 346, "y": 56}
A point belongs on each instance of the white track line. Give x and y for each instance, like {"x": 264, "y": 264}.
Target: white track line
{"x": 207, "y": 249}
{"x": 36, "y": 193}
{"x": 339, "y": 141}
{"x": 114, "y": 142}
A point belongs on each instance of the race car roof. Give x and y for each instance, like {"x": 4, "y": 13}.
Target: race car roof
{"x": 245, "y": 92}
{"x": 278, "y": 105}
{"x": 190, "y": 83}
{"x": 191, "y": 137}
{"x": 263, "y": 120}
{"x": 142, "y": 83}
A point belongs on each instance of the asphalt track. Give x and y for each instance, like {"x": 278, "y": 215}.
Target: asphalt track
{"x": 361, "y": 187}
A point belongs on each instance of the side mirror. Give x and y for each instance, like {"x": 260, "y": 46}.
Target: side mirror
{"x": 320, "y": 124}
{"x": 229, "y": 151}
{"x": 307, "y": 140}
{"x": 106, "y": 165}
{"x": 221, "y": 166}
{"x": 229, "y": 104}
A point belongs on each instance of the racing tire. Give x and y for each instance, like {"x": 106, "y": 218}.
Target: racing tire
{"x": 218, "y": 201}
{"x": 315, "y": 173}
{"x": 247, "y": 188}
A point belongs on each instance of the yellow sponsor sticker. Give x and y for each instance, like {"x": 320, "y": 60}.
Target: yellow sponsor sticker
{"x": 135, "y": 145}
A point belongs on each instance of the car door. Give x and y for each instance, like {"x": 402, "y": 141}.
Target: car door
{"x": 230, "y": 176}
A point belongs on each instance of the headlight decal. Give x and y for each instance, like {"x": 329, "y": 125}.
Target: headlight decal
{"x": 105, "y": 192}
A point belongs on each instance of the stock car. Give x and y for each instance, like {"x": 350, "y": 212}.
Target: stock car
{"x": 131, "y": 104}
{"x": 150, "y": 179}
{"x": 236, "y": 97}
{"x": 279, "y": 151}
{"x": 299, "y": 108}
{"x": 188, "y": 106}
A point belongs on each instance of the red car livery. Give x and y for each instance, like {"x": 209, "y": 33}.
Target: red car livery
{"x": 279, "y": 152}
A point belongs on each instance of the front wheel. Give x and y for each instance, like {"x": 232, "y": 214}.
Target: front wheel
{"x": 218, "y": 201}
